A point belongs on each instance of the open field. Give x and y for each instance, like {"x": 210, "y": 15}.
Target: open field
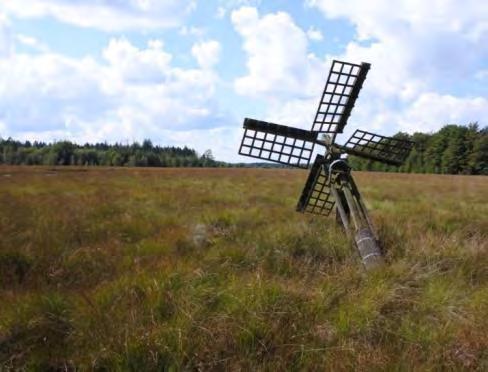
{"x": 149, "y": 269}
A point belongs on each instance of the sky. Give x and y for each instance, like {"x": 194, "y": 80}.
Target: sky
{"x": 187, "y": 72}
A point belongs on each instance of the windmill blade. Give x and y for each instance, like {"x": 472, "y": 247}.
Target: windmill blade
{"x": 372, "y": 146}
{"x": 316, "y": 197}
{"x": 277, "y": 143}
{"x": 340, "y": 93}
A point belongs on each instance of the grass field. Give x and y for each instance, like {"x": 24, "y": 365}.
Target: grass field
{"x": 211, "y": 269}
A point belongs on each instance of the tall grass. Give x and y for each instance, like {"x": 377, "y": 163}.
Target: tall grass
{"x": 169, "y": 269}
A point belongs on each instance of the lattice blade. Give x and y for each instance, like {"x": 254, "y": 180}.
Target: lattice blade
{"x": 316, "y": 197}
{"x": 340, "y": 93}
{"x": 372, "y": 146}
{"x": 278, "y": 143}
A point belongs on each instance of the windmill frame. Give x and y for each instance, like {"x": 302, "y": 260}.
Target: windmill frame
{"x": 330, "y": 182}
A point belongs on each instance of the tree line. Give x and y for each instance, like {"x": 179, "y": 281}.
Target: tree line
{"x": 454, "y": 149}
{"x": 134, "y": 155}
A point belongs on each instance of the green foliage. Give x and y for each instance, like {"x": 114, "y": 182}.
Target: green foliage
{"x": 454, "y": 149}
{"x": 135, "y": 155}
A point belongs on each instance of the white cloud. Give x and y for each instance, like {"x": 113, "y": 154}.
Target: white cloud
{"x": 133, "y": 65}
{"x": 192, "y": 31}
{"x": 278, "y": 61}
{"x": 434, "y": 41}
{"x": 106, "y": 15}
{"x": 314, "y": 34}
{"x": 419, "y": 55}
{"x": 207, "y": 53}
{"x": 134, "y": 93}
{"x": 227, "y": 6}
{"x": 298, "y": 112}
{"x": 6, "y": 43}
{"x": 223, "y": 142}
{"x": 421, "y": 52}
{"x": 428, "y": 109}
{"x": 32, "y": 43}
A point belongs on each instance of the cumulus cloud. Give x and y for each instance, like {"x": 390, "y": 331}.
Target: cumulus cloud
{"x": 133, "y": 93}
{"x": 416, "y": 48}
{"x": 47, "y": 91}
{"x": 192, "y": 31}
{"x": 420, "y": 55}
{"x": 134, "y": 65}
{"x": 424, "y": 113}
{"x": 224, "y": 141}
{"x": 314, "y": 34}
{"x": 32, "y": 43}
{"x": 278, "y": 61}
{"x": 227, "y": 6}
{"x": 6, "y": 43}
{"x": 107, "y": 15}
{"x": 207, "y": 53}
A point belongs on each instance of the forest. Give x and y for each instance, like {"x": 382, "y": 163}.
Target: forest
{"x": 454, "y": 149}
{"x": 134, "y": 155}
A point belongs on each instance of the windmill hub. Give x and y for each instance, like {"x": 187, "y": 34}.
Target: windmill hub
{"x": 330, "y": 182}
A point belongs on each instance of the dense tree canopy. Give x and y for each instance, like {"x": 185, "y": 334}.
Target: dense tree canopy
{"x": 66, "y": 153}
{"x": 454, "y": 149}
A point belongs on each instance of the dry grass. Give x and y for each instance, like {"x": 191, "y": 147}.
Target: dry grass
{"x": 150, "y": 269}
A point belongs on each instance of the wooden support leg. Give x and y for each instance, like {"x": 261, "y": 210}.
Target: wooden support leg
{"x": 353, "y": 209}
{"x": 341, "y": 206}
{"x": 362, "y": 206}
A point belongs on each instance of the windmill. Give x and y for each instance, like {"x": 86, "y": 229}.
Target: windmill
{"x": 330, "y": 182}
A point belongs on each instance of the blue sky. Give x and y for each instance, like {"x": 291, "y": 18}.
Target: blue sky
{"x": 186, "y": 72}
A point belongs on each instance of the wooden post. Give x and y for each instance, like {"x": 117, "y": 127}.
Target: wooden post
{"x": 353, "y": 210}
{"x": 342, "y": 212}
{"x": 362, "y": 206}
